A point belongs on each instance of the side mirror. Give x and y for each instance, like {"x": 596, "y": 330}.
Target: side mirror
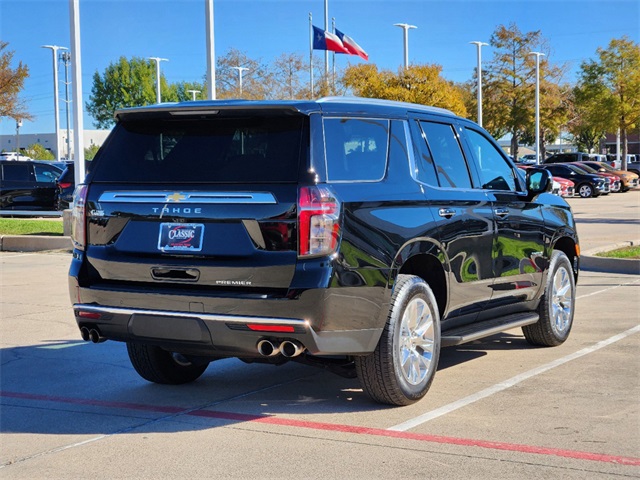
{"x": 539, "y": 181}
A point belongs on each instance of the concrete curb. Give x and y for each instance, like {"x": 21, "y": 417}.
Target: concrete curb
{"x": 589, "y": 262}
{"x": 34, "y": 243}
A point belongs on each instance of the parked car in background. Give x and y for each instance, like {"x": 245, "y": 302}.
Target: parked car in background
{"x": 634, "y": 167}
{"x": 561, "y": 186}
{"x": 615, "y": 184}
{"x": 528, "y": 159}
{"x": 587, "y": 184}
{"x": 628, "y": 178}
{"x": 28, "y": 185}
{"x": 13, "y": 156}
{"x": 566, "y": 188}
{"x": 65, "y": 184}
{"x": 567, "y": 157}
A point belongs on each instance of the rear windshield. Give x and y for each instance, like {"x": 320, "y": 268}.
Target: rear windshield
{"x": 251, "y": 149}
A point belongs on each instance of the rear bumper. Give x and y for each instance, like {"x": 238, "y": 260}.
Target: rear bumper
{"x": 342, "y": 320}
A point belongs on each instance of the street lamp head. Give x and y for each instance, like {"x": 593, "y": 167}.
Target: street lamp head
{"x": 537, "y": 53}
{"x": 406, "y": 26}
{"x": 480, "y": 44}
{"x": 54, "y": 47}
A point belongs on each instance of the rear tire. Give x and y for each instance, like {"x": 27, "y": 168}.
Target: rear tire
{"x": 556, "y": 306}
{"x": 403, "y": 365}
{"x": 159, "y": 366}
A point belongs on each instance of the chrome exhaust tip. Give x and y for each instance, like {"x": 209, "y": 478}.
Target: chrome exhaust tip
{"x": 84, "y": 333}
{"x": 267, "y": 348}
{"x": 291, "y": 348}
{"x": 95, "y": 337}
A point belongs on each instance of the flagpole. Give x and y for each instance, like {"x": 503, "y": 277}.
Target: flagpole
{"x": 311, "y": 53}
{"x": 333, "y": 57}
{"x": 326, "y": 52}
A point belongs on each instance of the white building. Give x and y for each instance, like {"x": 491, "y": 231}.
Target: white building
{"x": 8, "y": 143}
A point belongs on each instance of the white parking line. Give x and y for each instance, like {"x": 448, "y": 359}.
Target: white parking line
{"x": 463, "y": 402}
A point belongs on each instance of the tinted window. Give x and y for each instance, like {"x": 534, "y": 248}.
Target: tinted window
{"x": 451, "y": 166}
{"x": 17, "y": 172}
{"x": 356, "y": 149}
{"x": 212, "y": 150}
{"x": 46, "y": 174}
{"x": 495, "y": 172}
{"x": 425, "y": 168}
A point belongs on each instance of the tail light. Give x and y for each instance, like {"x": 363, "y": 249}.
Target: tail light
{"x": 79, "y": 218}
{"x": 64, "y": 185}
{"x": 318, "y": 221}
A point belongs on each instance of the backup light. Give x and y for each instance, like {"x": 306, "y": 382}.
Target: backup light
{"x": 318, "y": 221}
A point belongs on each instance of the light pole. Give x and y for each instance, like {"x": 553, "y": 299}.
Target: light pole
{"x": 479, "y": 45}
{"x": 240, "y": 69}
{"x": 406, "y": 27}
{"x": 537, "y": 149}
{"x": 66, "y": 58}
{"x": 158, "y": 60}
{"x": 211, "y": 50}
{"x": 18, "y": 125}
{"x": 54, "y": 51}
{"x": 193, "y": 93}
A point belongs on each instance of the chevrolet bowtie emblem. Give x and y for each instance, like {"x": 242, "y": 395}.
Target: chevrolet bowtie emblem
{"x": 175, "y": 197}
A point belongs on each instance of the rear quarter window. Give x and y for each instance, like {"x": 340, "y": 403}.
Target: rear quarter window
{"x": 356, "y": 149}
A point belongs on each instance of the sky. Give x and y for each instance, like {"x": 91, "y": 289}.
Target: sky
{"x": 264, "y": 29}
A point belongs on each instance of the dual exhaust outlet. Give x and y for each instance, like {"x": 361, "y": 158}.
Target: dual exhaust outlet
{"x": 92, "y": 334}
{"x": 287, "y": 348}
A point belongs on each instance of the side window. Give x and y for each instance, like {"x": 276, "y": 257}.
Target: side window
{"x": 45, "y": 174}
{"x": 451, "y": 167}
{"x": 356, "y": 149}
{"x": 17, "y": 172}
{"x": 495, "y": 172}
{"x": 425, "y": 168}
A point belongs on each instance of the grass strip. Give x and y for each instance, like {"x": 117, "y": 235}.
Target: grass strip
{"x": 24, "y": 226}
{"x": 626, "y": 252}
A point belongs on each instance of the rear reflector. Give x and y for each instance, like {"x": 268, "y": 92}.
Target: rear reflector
{"x": 91, "y": 315}
{"x": 256, "y": 327}
{"x": 64, "y": 184}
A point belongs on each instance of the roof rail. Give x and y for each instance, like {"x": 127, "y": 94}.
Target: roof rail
{"x": 381, "y": 102}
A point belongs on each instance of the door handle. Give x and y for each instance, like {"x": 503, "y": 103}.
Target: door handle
{"x": 501, "y": 212}
{"x": 446, "y": 212}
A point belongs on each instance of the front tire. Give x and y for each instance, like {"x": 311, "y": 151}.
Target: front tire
{"x": 403, "y": 365}
{"x": 556, "y": 306}
{"x": 585, "y": 190}
{"x": 159, "y": 366}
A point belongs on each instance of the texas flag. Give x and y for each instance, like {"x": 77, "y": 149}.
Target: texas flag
{"x": 350, "y": 44}
{"x": 323, "y": 40}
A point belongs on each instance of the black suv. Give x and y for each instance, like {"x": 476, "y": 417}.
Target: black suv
{"x": 28, "y": 185}
{"x": 356, "y": 235}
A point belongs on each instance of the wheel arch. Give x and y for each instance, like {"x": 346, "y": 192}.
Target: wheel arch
{"x": 568, "y": 244}
{"x": 426, "y": 259}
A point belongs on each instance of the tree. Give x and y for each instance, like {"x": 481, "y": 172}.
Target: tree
{"x": 90, "y": 152}
{"x": 254, "y": 85}
{"x": 420, "y": 84}
{"x": 615, "y": 78}
{"x": 288, "y": 77}
{"x": 183, "y": 94}
{"x": 38, "y": 152}
{"x": 11, "y": 83}
{"x": 591, "y": 113}
{"x": 127, "y": 83}
{"x": 509, "y": 88}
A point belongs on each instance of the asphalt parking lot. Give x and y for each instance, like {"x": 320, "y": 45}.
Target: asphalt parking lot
{"x": 498, "y": 408}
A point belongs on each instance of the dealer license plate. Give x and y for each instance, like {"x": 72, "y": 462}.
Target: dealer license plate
{"x": 183, "y": 237}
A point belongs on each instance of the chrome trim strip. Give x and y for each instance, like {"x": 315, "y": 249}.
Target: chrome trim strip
{"x": 201, "y": 316}
{"x": 263, "y": 198}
